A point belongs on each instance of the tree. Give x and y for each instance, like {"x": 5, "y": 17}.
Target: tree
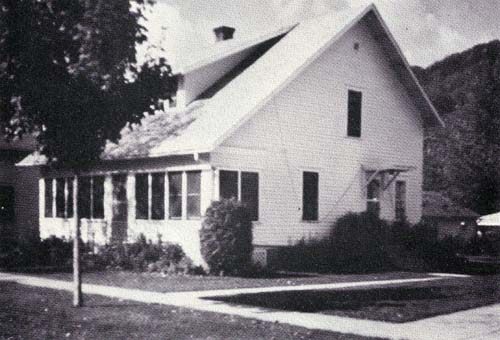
{"x": 463, "y": 159}
{"x": 69, "y": 75}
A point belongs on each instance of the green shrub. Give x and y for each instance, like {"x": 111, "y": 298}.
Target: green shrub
{"x": 226, "y": 237}
{"x": 360, "y": 242}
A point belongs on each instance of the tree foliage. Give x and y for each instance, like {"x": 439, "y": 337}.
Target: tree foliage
{"x": 463, "y": 159}
{"x": 68, "y": 73}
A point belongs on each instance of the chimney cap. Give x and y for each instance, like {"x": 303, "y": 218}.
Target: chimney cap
{"x": 224, "y": 33}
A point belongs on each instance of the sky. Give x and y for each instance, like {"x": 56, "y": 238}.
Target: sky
{"x": 426, "y": 30}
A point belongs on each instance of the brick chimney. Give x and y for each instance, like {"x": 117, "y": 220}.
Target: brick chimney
{"x": 223, "y": 33}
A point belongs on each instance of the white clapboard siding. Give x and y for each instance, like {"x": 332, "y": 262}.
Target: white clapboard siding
{"x": 303, "y": 128}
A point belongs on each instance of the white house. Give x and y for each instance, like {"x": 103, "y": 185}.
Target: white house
{"x": 303, "y": 124}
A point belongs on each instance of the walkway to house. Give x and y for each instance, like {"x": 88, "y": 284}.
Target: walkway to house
{"x": 479, "y": 323}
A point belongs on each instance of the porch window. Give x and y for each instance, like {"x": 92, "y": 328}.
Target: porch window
{"x": 310, "y": 193}
{"x": 158, "y": 196}
{"x": 354, "y": 113}
{"x": 400, "y": 200}
{"x": 98, "y": 197}
{"x": 141, "y": 196}
{"x": 91, "y": 197}
{"x": 243, "y": 186}
{"x": 175, "y": 195}
{"x": 193, "y": 194}
{"x": 69, "y": 198}
{"x": 63, "y": 197}
{"x": 60, "y": 197}
{"x": 48, "y": 197}
{"x": 145, "y": 208}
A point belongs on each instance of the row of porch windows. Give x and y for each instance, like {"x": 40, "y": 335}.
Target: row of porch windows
{"x": 150, "y": 194}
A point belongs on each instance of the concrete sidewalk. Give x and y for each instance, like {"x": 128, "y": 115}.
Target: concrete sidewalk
{"x": 479, "y": 323}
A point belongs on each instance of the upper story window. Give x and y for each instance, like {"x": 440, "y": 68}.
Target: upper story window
{"x": 400, "y": 200}
{"x": 243, "y": 186}
{"x": 354, "y": 102}
{"x": 310, "y": 193}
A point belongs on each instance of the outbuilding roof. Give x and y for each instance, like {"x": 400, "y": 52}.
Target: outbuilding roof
{"x": 228, "y": 109}
{"x": 437, "y": 205}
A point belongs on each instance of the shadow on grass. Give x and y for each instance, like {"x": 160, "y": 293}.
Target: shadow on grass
{"x": 393, "y": 304}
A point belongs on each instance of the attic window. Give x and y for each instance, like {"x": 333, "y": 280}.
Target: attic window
{"x": 356, "y": 46}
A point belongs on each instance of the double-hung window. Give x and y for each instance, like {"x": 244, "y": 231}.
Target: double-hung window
{"x": 184, "y": 199}
{"x": 241, "y": 185}
{"x": 310, "y": 196}
{"x": 150, "y": 196}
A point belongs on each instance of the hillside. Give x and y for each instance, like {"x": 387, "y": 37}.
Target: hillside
{"x": 463, "y": 159}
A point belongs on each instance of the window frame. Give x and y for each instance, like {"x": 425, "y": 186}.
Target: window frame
{"x": 239, "y": 186}
{"x": 302, "y": 173}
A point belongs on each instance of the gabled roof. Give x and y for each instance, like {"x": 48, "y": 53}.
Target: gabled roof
{"x": 232, "y": 106}
{"x": 437, "y": 205}
{"x": 221, "y": 115}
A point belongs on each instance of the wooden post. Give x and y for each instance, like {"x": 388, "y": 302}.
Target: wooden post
{"x": 77, "y": 274}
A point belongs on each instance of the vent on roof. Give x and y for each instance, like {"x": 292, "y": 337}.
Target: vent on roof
{"x": 223, "y": 33}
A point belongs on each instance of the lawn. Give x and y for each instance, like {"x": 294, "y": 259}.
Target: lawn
{"x": 37, "y": 313}
{"x": 180, "y": 283}
{"x": 398, "y": 304}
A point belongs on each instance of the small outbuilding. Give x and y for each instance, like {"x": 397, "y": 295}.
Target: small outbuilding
{"x": 450, "y": 218}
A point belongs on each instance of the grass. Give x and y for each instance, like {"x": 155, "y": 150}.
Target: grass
{"x": 393, "y": 304}
{"x": 37, "y": 313}
{"x": 158, "y": 283}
